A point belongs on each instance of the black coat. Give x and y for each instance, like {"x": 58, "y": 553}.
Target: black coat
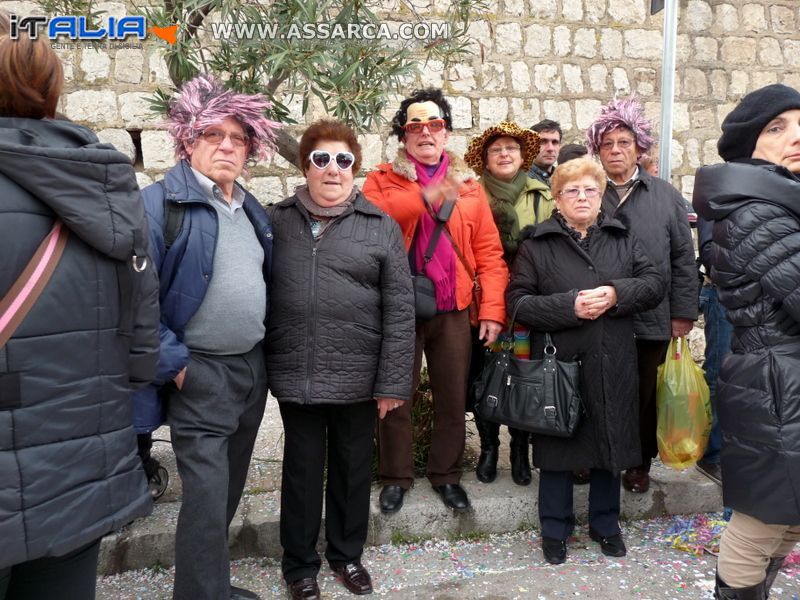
{"x": 341, "y": 328}
{"x": 69, "y": 472}
{"x": 655, "y": 211}
{"x": 755, "y": 264}
{"x": 549, "y": 271}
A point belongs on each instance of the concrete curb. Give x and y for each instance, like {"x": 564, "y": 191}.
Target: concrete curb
{"x": 498, "y": 507}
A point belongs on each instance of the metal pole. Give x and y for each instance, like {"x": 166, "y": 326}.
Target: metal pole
{"x": 668, "y": 87}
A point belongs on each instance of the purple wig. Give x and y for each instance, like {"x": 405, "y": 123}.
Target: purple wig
{"x": 204, "y": 102}
{"x": 628, "y": 113}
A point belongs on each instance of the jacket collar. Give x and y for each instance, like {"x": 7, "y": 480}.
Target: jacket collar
{"x": 552, "y": 226}
{"x": 458, "y": 169}
{"x": 182, "y": 186}
{"x": 360, "y": 204}
{"x": 721, "y": 188}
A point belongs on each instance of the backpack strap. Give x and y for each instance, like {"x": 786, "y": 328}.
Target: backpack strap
{"x": 25, "y": 291}
{"x": 173, "y": 219}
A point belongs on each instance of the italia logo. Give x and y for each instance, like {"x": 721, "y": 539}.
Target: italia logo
{"x": 76, "y": 28}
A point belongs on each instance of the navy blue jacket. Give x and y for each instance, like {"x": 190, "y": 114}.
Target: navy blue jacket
{"x": 184, "y": 273}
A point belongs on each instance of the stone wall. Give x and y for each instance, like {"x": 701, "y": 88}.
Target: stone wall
{"x": 531, "y": 59}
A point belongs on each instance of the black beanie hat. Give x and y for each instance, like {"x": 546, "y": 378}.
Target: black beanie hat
{"x": 741, "y": 128}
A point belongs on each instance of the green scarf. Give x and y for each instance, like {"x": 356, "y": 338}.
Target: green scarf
{"x": 504, "y": 191}
{"x": 502, "y": 198}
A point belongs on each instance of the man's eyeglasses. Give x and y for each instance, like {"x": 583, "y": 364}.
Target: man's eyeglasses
{"x": 498, "y": 150}
{"x": 216, "y": 137}
{"x": 591, "y": 193}
{"x": 623, "y": 144}
{"x": 322, "y": 158}
{"x": 433, "y": 126}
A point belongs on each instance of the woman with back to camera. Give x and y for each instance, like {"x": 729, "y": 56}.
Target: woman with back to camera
{"x": 581, "y": 276}
{"x": 754, "y": 200}
{"x": 68, "y": 462}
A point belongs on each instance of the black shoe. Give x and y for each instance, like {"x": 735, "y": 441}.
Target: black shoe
{"x": 520, "y": 464}
{"x": 391, "y": 499}
{"x": 487, "y": 464}
{"x": 753, "y": 592}
{"x": 611, "y": 545}
{"x": 555, "y": 551}
{"x": 710, "y": 470}
{"x": 243, "y": 594}
{"x": 453, "y": 496}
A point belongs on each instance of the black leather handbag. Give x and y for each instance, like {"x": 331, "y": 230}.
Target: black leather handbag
{"x": 541, "y": 396}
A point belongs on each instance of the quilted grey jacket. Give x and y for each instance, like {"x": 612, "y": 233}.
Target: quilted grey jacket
{"x": 69, "y": 472}
{"x": 341, "y": 327}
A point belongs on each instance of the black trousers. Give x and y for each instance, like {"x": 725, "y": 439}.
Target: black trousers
{"x": 346, "y": 434}
{"x": 555, "y": 503}
{"x": 70, "y": 576}
{"x": 650, "y": 354}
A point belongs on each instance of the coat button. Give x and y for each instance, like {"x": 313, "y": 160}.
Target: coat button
{"x": 595, "y": 355}
{"x": 205, "y": 276}
{"x": 591, "y": 268}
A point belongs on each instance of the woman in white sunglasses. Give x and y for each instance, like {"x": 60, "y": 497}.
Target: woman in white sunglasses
{"x": 340, "y": 346}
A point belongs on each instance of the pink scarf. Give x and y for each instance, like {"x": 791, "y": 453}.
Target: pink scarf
{"x": 442, "y": 267}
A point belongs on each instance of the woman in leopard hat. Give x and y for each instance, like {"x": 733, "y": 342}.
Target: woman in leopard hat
{"x": 502, "y": 155}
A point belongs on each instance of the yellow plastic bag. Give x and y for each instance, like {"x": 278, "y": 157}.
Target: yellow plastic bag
{"x": 684, "y": 408}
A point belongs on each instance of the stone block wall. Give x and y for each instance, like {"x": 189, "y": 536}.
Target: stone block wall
{"x": 529, "y": 59}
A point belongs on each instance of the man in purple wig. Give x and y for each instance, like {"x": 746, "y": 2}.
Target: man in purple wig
{"x": 212, "y": 243}
{"x": 653, "y": 210}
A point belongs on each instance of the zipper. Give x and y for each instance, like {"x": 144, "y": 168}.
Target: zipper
{"x": 312, "y": 323}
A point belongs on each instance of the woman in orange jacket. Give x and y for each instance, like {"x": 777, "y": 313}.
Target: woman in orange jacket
{"x": 418, "y": 189}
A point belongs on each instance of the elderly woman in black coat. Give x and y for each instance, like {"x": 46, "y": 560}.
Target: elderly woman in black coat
{"x": 582, "y": 276}
{"x": 340, "y": 347}
{"x": 754, "y": 201}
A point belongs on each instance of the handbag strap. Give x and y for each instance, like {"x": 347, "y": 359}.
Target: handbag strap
{"x": 548, "y": 340}
{"x": 467, "y": 267}
{"x": 437, "y": 232}
{"x": 25, "y": 291}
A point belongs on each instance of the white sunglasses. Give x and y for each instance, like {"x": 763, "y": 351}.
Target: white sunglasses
{"x": 322, "y": 158}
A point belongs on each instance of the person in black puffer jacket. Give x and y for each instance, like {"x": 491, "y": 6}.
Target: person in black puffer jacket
{"x": 754, "y": 201}
{"x": 69, "y": 472}
{"x": 340, "y": 348}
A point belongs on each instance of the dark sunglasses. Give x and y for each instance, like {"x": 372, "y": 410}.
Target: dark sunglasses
{"x": 322, "y": 158}
{"x": 433, "y": 126}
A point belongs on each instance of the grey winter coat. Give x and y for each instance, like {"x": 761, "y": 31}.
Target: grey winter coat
{"x": 549, "y": 271}
{"x": 341, "y": 327}
{"x": 655, "y": 212}
{"x": 755, "y": 263}
{"x": 69, "y": 472}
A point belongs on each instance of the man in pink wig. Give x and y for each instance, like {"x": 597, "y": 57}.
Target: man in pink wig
{"x": 654, "y": 211}
{"x": 212, "y": 243}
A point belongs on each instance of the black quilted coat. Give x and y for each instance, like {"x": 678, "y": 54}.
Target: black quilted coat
{"x": 549, "y": 270}
{"x": 341, "y": 326}
{"x": 69, "y": 472}
{"x": 656, "y": 213}
{"x": 755, "y": 207}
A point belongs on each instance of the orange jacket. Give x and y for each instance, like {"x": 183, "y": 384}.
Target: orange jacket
{"x": 394, "y": 189}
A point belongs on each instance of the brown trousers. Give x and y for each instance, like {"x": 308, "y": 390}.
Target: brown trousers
{"x": 747, "y": 546}
{"x": 446, "y": 341}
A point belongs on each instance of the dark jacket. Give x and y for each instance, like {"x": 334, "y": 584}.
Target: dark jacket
{"x": 69, "y": 472}
{"x": 655, "y": 212}
{"x": 184, "y": 272}
{"x": 549, "y": 271}
{"x": 756, "y": 267}
{"x": 342, "y": 323}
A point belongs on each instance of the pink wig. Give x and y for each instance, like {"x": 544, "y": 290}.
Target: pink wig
{"x": 204, "y": 102}
{"x": 628, "y": 113}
